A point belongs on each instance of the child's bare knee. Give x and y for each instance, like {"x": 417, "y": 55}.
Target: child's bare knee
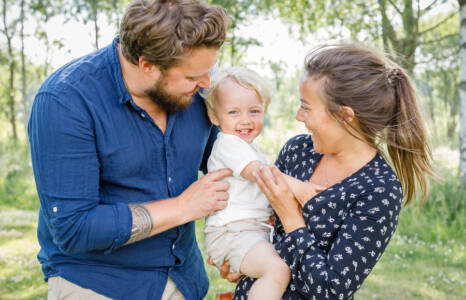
{"x": 279, "y": 269}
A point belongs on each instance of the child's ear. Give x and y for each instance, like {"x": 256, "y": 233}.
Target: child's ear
{"x": 213, "y": 118}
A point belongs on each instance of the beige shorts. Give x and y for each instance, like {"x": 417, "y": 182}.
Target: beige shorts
{"x": 232, "y": 241}
{"x": 62, "y": 289}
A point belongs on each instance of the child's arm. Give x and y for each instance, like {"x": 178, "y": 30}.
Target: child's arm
{"x": 252, "y": 167}
{"x": 302, "y": 190}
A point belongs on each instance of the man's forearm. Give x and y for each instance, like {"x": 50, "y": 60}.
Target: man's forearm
{"x": 142, "y": 223}
{"x": 201, "y": 198}
{"x": 155, "y": 217}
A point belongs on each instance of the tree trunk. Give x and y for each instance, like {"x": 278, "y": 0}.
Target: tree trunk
{"x": 23, "y": 71}
{"x": 462, "y": 133}
{"x": 96, "y": 24}
{"x": 11, "y": 86}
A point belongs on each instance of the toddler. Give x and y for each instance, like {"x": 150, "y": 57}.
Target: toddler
{"x": 236, "y": 103}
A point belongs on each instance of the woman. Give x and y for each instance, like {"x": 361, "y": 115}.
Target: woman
{"x": 355, "y": 103}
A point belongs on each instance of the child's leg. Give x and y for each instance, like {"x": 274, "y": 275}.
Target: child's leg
{"x": 272, "y": 273}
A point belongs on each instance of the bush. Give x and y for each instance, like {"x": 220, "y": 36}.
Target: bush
{"x": 17, "y": 186}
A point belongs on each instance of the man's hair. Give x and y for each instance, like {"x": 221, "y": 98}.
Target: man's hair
{"x": 244, "y": 77}
{"x": 165, "y": 31}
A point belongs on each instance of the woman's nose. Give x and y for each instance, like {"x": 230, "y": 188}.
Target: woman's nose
{"x": 300, "y": 115}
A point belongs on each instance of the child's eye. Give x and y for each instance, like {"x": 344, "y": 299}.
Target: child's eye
{"x": 255, "y": 111}
{"x": 232, "y": 112}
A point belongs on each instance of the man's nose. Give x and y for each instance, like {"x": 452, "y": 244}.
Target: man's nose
{"x": 204, "y": 81}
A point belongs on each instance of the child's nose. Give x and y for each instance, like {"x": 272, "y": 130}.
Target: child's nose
{"x": 245, "y": 120}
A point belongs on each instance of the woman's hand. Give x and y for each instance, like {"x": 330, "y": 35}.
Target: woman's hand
{"x": 272, "y": 182}
{"x": 225, "y": 271}
{"x": 302, "y": 190}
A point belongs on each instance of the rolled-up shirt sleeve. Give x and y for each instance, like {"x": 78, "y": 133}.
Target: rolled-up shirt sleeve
{"x": 66, "y": 168}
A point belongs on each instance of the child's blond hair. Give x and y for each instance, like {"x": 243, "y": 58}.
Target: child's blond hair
{"x": 245, "y": 77}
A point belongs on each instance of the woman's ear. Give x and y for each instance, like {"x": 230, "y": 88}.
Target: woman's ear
{"x": 347, "y": 113}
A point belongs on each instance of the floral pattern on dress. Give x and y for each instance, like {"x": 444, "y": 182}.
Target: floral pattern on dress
{"x": 348, "y": 227}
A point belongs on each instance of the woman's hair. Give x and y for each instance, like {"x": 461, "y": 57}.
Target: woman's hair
{"x": 244, "y": 77}
{"x": 164, "y": 31}
{"x": 384, "y": 103}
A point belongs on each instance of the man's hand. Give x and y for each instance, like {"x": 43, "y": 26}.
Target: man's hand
{"x": 225, "y": 271}
{"x": 206, "y": 195}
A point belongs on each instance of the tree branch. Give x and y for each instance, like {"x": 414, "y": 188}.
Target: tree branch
{"x": 439, "y": 57}
{"x": 439, "y": 23}
{"x": 395, "y": 7}
{"x": 439, "y": 39}
{"x": 428, "y": 7}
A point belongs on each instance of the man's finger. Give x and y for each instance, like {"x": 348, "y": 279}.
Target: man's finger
{"x": 221, "y": 185}
{"x": 219, "y": 174}
{"x": 210, "y": 261}
{"x": 225, "y": 269}
{"x": 234, "y": 277}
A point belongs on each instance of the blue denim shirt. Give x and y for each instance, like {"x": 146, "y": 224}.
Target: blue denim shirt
{"x": 94, "y": 151}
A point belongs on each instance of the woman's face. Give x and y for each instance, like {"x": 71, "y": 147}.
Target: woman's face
{"x": 326, "y": 131}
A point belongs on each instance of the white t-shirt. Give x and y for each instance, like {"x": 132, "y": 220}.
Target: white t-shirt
{"x": 246, "y": 200}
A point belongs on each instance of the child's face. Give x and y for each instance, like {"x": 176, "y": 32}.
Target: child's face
{"x": 238, "y": 111}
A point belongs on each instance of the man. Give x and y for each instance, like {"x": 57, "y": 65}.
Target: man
{"x": 117, "y": 139}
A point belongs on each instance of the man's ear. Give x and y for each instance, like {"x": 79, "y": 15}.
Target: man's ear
{"x": 347, "y": 113}
{"x": 146, "y": 67}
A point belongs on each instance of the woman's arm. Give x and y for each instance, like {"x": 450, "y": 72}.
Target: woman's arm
{"x": 360, "y": 242}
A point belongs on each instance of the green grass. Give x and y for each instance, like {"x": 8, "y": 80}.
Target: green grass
{"x": 20, "y": 274}
{"x": 411, "y": 268}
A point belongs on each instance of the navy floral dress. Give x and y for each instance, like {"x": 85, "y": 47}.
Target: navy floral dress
{"x": 347, "y": 228}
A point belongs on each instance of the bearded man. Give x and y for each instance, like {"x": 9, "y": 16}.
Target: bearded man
{"x": 117, "y": 138}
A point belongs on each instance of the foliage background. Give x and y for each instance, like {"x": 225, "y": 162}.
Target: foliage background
{"x": 426, "y": 258}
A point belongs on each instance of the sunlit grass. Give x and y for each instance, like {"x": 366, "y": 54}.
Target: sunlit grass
{"x": 20, "y": 274}
{"x": 411, "y": 268}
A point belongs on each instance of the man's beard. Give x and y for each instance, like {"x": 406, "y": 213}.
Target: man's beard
{"x": 168, "y": 102}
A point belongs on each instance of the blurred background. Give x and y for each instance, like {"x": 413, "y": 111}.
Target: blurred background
{"x": 426, "y": 258}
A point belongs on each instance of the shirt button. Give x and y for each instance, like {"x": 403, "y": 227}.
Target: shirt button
{"x": 143, "y": 115}
{"x": 169, "y": 179}
{"x": 173, "y": 247}
{"x": 55, "y": 209}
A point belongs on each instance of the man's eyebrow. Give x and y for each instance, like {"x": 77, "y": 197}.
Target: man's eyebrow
{"x": 196, "y": 76}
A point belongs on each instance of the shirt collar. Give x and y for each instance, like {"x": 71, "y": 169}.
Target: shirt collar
{"x": 124, "y": 95}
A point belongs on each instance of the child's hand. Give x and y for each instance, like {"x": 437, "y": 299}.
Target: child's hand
{"x": 303, "y": 190}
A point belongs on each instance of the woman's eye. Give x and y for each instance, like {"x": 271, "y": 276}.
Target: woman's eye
{"x": 304, "y": 108}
